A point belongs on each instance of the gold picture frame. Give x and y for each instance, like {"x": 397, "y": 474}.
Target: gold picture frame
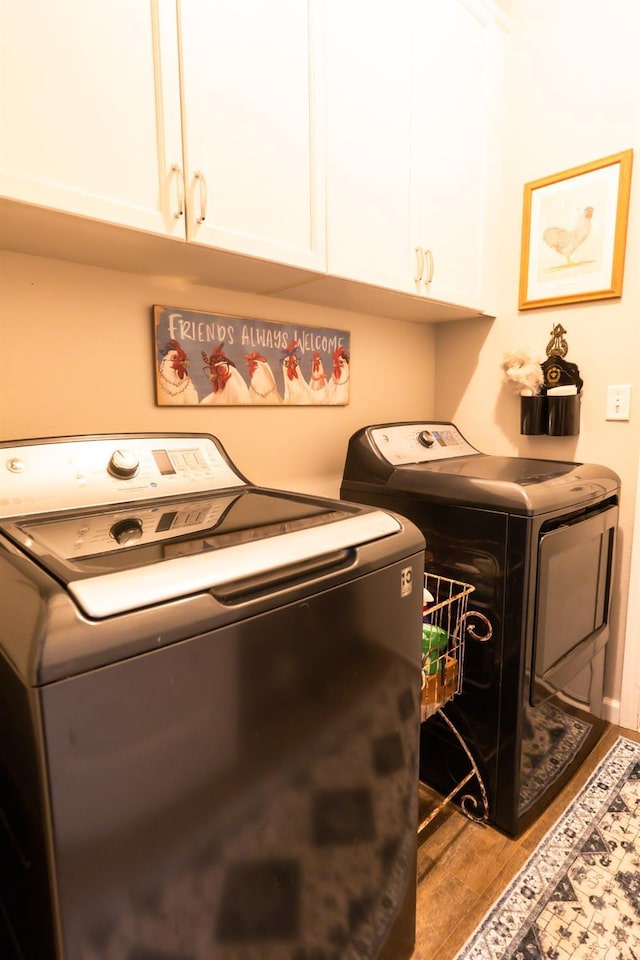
{"x": 574, "y": 233}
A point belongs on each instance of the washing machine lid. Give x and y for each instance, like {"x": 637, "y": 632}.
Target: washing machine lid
{"x": 116, "y": 560}
{"x": 433, "y": 460}
{"x": 124, "y": 522}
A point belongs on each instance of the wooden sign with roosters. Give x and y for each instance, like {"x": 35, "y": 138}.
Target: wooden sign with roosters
{"x": 207, "y": 358}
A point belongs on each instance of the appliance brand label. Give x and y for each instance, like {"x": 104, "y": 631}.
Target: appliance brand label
{"x": 406, "y": 582}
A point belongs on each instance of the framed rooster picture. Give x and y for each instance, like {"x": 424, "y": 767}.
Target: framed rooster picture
{"x": 206, "y": 359}
{"x": 574, "y": 233}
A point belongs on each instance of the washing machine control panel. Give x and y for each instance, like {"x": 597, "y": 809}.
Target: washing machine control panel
{"x": 73, "y": 472}
{"x": 403, "y": 443}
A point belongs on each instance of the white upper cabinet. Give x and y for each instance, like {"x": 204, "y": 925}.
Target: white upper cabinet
{"x": 457, "y": 53}
{"x": 409, "y": 134}
{"x": 99, "y": 97}
{"x": 337, "y": 148}
{"x": 89, "y": 109}
{"x": 253, "y": 127}
{"x": 369, "y": 210}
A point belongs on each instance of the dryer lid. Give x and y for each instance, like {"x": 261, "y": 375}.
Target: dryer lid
{"x": 514, "y": 484}
{"x": 432, "y": 460}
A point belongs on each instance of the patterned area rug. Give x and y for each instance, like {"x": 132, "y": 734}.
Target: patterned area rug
{"x": 578, "y": 895}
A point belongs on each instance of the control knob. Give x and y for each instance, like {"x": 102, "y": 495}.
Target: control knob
{"x": 123, "y": 464}
{"x": 127, "y": 531}
{"x": 425, "y": 438}
{"x": 16, "y": 465}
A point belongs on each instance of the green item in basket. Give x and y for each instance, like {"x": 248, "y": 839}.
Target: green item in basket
{"x": 434, "y": 641}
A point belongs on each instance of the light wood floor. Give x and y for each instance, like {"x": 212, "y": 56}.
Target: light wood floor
{"x": 463, "y": 867}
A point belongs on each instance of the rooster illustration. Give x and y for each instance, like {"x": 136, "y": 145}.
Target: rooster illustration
{"x": 296, "y": 389}
{"x": 174, "y": 383}
{"x": 337, "y": 390}
{"x": 227, "y": 385}
{"x": 566, "y": 242}
{"x": 318, "y": 379}
{"x": 262, "y": 383}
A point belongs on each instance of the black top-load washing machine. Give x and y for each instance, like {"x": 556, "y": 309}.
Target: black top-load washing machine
{"x": 536, "y": 540}
{"x": 209, "y": 710}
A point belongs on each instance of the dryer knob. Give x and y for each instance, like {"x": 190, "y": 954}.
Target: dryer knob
{"x": 425, "y": 438}
{"x": 123, "y": 464}
{"x": 125, "y": 532}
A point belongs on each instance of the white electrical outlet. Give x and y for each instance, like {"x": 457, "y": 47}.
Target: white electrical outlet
{"x": 618, "y": 401}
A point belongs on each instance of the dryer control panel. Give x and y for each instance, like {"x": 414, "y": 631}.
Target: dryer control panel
{"x": 423, "y": 442}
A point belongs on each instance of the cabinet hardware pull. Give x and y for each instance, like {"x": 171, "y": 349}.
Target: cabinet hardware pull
{"x": 419, "y": 264}
{"x": 200, "y": 177}
{"x": 430, "y": 270}
{"x": 176, "y": 170}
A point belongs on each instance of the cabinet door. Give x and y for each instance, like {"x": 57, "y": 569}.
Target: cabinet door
{"x": 89, "y": 112}
{"x": 253, "y": 127}
{"x": 454, "y": 143}
{"x": 369, "y": 142}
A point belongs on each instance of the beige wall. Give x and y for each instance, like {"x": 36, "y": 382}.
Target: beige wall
{"x": 573, "y": 89}
{"x": 77, "y": 344}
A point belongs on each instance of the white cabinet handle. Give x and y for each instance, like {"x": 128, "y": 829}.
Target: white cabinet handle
{"x": 429, "y": 258}
{"x": 176, "y": 172}
{"x": 420, "y": 262}
{"x": 199, "y": 176}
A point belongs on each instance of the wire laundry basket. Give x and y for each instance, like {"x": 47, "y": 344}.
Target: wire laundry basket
{"x": 445, "y": 624}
